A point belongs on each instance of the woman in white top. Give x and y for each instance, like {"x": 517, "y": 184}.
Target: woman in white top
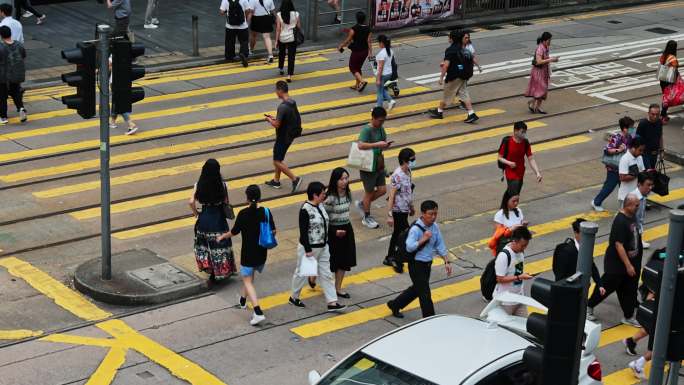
{"x": 286, "y": 21}
{"x": 507, "y": 219}
{"x": 262, "y": 23}
{"x": 384, "y": 60}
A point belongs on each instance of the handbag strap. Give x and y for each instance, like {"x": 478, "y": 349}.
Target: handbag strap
{"x": 267, "y": 213}
{"x": 660, "y": 165}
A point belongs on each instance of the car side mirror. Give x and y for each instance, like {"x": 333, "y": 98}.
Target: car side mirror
{"x": 314, "y": 376}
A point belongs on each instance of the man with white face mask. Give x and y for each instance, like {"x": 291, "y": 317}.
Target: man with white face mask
{"x": 512, "y": 153}
{"x": 400, "y": 204}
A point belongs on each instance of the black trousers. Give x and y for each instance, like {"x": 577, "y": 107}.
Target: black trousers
{"x": 121, "y": 27}
{"x": 291, "y": 53}
{"x": 626, "y": 288}
{"x": 13, "y": 90}
{"x": 514, "y": 186}
{"x": 400, "y": 224}
{"x": 242, "y": 36}
{"x": 420, "y": 288}
{"x": 21, "y": 5}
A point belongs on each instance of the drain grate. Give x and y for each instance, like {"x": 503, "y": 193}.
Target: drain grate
{"x": 521, "y": 23}
{"x": 614, "y": 22}
{"x": 661, "y": 31}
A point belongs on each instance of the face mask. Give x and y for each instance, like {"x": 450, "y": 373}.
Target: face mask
{"x": 522, "y": 135}
{"x": 412, "y": 164}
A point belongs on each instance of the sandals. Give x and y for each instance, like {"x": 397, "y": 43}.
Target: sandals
{"x": 540, "y": 111}
{"x": 529, "y": 107}
{"x": 312, "y": 282}
{"x": 343, "y": 295}
{"x": 362, "y": 86}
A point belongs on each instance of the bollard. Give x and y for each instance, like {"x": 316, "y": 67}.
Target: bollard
{"x": 585, "y": 257}
{"x": 103, "y": 32}
{"x": 195, "y": 36}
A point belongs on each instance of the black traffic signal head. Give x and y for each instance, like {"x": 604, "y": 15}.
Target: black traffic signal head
{"x": 83, "y": 79}
{"x": 560, "y": 331}
{"x": 124, "y": 72}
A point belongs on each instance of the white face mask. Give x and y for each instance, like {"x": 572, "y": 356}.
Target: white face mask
{"x": 522, "y": 135}
{"x": 412, "y": 164}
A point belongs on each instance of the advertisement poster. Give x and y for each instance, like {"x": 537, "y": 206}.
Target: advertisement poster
{"x": 400, "y": 13}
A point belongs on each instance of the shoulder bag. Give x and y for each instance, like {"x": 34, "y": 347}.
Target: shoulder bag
{"x": 360, "y": 159}
{"x": 667, "y": 73}
{"x": 228, "y": 210}
{"x": 266, "y": 238}
{"x": 299, "y": 36}
{"x": 661, "y": 182}
{"x": 611, "y": 160}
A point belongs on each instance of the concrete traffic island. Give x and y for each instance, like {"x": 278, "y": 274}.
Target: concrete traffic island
{"x": 139, "y": 277}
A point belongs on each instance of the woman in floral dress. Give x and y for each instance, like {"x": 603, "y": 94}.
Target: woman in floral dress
{"x": 213, "y": 257}
{"x": 538, "y": 86}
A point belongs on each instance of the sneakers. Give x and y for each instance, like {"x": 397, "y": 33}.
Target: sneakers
{"x": 435, "y": 114}
{"x": 630, "y": 345}
{"x": 269, "y": 60}
{"x": 132, "y": 129}
{"x": 337, "y": 20}
{"x": 645, "y": 245}
{"x": 257, "y": 319}
{"x": 296, "y": 184}
{"x": 243, "y": 59}
{"x": 296, "y": 302}
{"x": 387, "y": 262}
{"x": 336, "y": 307}
{"x": 637, "y": 371}
{"x": 242, "y": 302}
{"x": 22, "y": 115}
{"x": 273, "y": 183}
{"x": 370, "y": 222}
{"x": 41, "y": 19}
{"x": 26, "y": 14}
{"x": 397, "y": 266}
{"x": 395, "y": 90}
{"x": 590, "y": 314}
{"x": 395, "y": 312}
{"x": 390, "y": 83}
{"x": 4, "y": 121}
{"x": 150, "y": 26}
{"x": 597, "y": 208}
{"x": 630, "y": 322}
{"x": 472, "y": 118}
{"x": 390, "y": 105}
{"x": 112, "y": 125}
{"x": 155, "y": 21}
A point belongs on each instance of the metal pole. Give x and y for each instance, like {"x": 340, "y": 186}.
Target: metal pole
{"x": 585, "y": 259}
{"x": 195, "y": 36}
{"x": 103, "y": 31}
{"x": 666, "y": 301}
{"x": 674, "y": 372}
{"x": 315, "y": 20}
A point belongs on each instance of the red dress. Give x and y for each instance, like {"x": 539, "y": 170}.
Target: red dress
{"x": 538, "y": 86}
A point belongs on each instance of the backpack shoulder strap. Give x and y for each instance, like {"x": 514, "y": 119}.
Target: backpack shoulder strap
{"x": 508, "y": 254}
{"x": 504, "y": 143}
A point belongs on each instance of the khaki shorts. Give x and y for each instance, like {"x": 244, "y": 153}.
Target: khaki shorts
{"x": 455, "y": 87}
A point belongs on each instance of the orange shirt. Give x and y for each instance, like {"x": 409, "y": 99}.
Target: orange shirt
{"x": 671, "y": 61}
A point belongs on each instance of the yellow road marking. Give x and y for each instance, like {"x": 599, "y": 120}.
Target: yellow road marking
{"x": 81, "y": 340}
{"x": 207, "y": 124}
{"x": 625, "y": 376}
{"x": 615, "y": 334}
{"x": 672, "y": 196}
{"x": 178, "y": 365}
{"x": 440, "y": 294}
{"x": 306, "y": 170}
{"x": 170, "y": 171}
{"x": 194, "y": 93}
{"x": 428, "y": 171}
{"x": 19, "y": 334}
{"x": 63, "y": 296}
{"x": 106, "y": 371}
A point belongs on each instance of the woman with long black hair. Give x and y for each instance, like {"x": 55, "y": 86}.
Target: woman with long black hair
{"x": 213, "y": 256}
{"x": 538, "y": 87}
{"x": 286, "y": 21}
{"x": 384, "y": 60}
{"x": 341, "y": 239}
{"x": 668, "y": 58}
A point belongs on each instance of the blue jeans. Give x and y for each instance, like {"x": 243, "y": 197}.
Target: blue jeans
{"x": 383, "y": 95}
{"x": 612, "y": 180}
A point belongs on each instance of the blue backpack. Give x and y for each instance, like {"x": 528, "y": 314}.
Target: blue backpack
{"x": 266, "y": 238}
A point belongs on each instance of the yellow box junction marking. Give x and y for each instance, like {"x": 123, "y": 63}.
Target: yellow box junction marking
{"x": 176, "y": 170}
{"x": 63, "y": 296}
{"x": 420, "y": 173}
{"x": 154, "y": 133}
{"x": 123, "y": 336}
{"x": 306, "y": 170}
{"x": 332, "y": 324}
{"x": 19, "y": 334}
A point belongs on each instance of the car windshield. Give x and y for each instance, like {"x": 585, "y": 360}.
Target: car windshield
{"x": 361, "y": 369}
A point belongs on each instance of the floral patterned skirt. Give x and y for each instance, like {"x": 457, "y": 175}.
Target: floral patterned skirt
{"x": 212, "y": 257}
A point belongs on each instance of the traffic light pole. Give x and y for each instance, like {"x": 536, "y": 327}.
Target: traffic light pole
{"x": 103, "y": 32}
{"x": 585, "y": 259}
{"x": 667, "y": 293}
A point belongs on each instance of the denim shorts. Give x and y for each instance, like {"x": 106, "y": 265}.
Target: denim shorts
{"x": 246, "y": 271}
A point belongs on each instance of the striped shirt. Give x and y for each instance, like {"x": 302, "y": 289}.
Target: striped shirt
{"x": 337, "y": 209}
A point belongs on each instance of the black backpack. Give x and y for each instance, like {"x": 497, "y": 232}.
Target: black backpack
{"x": 504, "y": 144}
{"x": 395, "y": 72}
{"x": 295, "y": 131}
{"x": 236, "y": 15}
{"x": 488, "y": 277}
{"x": 467, "y": 62}
{"x": 400, "y": 251}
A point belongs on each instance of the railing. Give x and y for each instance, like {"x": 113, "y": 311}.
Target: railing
{"x": 323, "y": 15}
{"x": 497, "y": 6}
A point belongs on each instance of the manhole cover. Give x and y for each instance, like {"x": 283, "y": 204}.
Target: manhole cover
{"x": 614, "y": 22}
{"x": 661, "y": 31}
{"x": 161, "y": 276}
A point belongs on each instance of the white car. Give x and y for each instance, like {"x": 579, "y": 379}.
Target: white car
{"x": 451, "y": 350}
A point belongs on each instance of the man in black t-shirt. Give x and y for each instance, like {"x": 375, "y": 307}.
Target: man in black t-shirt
{"x": 287, "y": 123}
{"x": 651, "y": 132}
{"x": 622, "y": 263}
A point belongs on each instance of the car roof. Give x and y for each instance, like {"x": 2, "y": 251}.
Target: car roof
{"x": 445, "y": 349}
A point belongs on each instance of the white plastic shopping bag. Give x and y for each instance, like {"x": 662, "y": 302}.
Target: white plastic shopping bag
{"x": 361, "y": 159}
{"x": 308, "y": 267}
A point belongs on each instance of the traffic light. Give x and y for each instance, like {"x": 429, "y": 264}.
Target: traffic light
{"x": 124, "y": 72}
{"x": 83, "y": 79}
{"x": 560, "y": 331}
{"x": 647, "y": 312}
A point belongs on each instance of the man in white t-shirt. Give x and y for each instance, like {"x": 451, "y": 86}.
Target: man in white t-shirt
{"x": 644, "y": 186}
{"x": 631, "y": 164}
{"x": 509, "y": 270}
{"x": 238, "y": 14}
{"x": 13, "y": 24}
